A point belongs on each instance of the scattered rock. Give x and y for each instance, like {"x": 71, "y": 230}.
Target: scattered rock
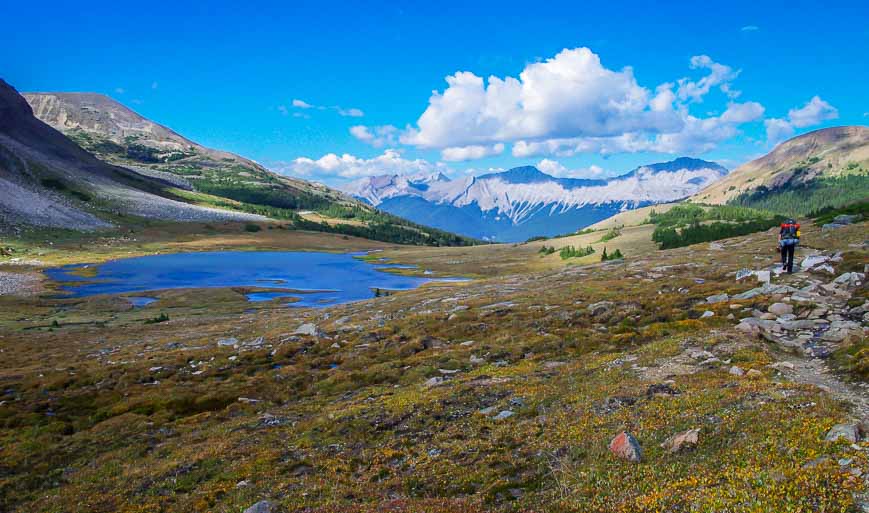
{"x": 661, "y": 390}
{"x": 780, "y": 309}
{"x": 781, "y": 365}
{"x": 682, "y": 441}
{"x": 699, "y": 354}
{"x": 261, "y": 507}
{"x": 626, "y": 447}
{"x": 753, "y": 373}
{"x": 717, "y": 298}
{"x": 848, "y": 432}
{"x": 736, "y": 371}
{"x": 504, "y": 414}
{"x": 847, "y": 219}
{"x": 600, "y": 307}
{"x": 813, "y": 261}
{"x": 309, "y": 329}
{"x": 230, "y": 342}
{"x": 706, "y": 314}
{"x": 850, "y": 280}
{"x": 433, "y": 382}
{"x": 612, "y": 404}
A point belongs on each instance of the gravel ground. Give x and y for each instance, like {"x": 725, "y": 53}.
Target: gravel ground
{"x": 19, "y": 284}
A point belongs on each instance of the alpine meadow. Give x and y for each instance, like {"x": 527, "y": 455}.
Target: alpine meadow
{"x": 332, "y": 257}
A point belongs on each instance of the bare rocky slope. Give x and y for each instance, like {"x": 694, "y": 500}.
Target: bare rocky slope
{"x": 48, "y": 180}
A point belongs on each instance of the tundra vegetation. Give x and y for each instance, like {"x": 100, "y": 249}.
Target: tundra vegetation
{"x": 500, "y": 394}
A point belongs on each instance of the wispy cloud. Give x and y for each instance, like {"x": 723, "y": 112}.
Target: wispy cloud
{"x": 120, "y": 90}
{"x": 377, "y": 136}
{"x": 154, "y": 85}
{"x": 351, "y": 112}
{"x": 555, "y": 168}
{"x": 750, "y": 28}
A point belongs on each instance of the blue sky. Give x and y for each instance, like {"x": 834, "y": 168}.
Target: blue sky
{"x": 580, "y": 90}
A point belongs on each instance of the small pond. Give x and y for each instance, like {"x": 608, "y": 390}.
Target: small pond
{"x": 315, "y": 279}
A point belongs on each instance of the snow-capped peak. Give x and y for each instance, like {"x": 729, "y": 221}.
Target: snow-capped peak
{"x": 516, "y": 192}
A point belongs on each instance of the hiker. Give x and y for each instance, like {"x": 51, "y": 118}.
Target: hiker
{"x": 788, "y": 238}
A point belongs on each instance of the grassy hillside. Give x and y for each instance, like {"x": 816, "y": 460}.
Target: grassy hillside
{"x": 820, "y": 169}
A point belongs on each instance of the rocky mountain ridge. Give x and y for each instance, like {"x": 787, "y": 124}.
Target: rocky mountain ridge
{"x": 522, "y": 202}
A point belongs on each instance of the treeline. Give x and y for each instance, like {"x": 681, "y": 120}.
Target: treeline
{"x": 560, "y": 236}
{"x": 809, "y": 198}
{"x": 683, "y": 215}
{"x": 388, "y": 232}
{"x": 827, "y": 215}
{"x": 688, "y": 224}
{"x": 295, "y": 200}
{"x": 668, "y": 237}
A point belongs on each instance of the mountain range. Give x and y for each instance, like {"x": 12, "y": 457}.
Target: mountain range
{"x": 524, "y": 202}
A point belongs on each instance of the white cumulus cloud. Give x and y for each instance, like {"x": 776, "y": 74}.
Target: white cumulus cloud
{"x": 571, "y": 94}
{"x": 301, "y": 104}
{"x": 814, "y": 112}
{"x": 472, "y": 152}
{"x": 697, "y": 135}
{"x": 346, "y": 166}
{"x": 571, "y": 103}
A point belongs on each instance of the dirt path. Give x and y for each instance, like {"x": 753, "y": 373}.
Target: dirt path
{"x": 814, "y": 371}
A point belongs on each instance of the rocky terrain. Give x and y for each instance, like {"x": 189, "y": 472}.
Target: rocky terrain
{"x": 675, "y": 380}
